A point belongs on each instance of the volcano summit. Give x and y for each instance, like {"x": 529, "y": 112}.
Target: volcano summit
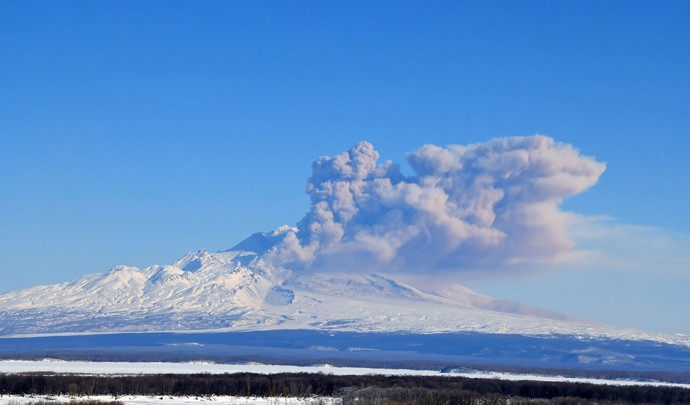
{"x": 486, "y": 208}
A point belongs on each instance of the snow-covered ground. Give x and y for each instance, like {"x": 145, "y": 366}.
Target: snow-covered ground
{"x": 167, "y": 400}
{"x": 130, "y": 368}
{"x": 236, "y": 291}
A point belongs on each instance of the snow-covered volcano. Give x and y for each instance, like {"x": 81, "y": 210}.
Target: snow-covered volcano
{"x": 236, "y": 290}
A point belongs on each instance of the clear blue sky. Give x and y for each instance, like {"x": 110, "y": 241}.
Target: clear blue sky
{"x": 133, "y": 132}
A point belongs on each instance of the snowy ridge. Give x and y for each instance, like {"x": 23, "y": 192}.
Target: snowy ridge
{"x": 236, "y": 291}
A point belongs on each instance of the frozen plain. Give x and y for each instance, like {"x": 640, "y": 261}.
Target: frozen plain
{"x": 140, "y": 368}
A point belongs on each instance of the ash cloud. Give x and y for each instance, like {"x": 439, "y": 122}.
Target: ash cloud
{"x": 466, "y": 208}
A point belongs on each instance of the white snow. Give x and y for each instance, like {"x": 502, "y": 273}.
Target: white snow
{"x": 137, "y": 368}
{"x": 237, "y": 291}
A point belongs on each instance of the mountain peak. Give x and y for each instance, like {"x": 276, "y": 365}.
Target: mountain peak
{"x": 234, "y": 290}
{"x": 193, "y": 261}
{"x": 261, "y": 242}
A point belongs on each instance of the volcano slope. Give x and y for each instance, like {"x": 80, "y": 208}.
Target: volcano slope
{"x": 233, "y": 304}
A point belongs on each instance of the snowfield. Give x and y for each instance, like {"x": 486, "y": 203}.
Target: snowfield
{"x": 237, "y": 291}
{"x": 137, "y": 368}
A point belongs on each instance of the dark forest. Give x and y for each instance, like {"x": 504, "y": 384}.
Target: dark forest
{"x": 371, "y": 389}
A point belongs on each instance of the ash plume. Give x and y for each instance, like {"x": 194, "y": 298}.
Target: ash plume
{"x": 466, "y": 208}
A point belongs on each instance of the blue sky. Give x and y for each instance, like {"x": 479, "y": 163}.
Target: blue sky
{"x": 131, "y": 133}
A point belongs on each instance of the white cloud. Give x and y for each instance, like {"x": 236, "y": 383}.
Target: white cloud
{"x": 606, "y": 244}
{"x": 466, "y": 209}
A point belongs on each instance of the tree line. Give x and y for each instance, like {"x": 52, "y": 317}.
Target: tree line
{"x": 369, "y": 389}
{"x": 667, "y": 376}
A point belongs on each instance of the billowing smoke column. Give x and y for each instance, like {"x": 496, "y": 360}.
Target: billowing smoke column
{"x": 473, "y": 207}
